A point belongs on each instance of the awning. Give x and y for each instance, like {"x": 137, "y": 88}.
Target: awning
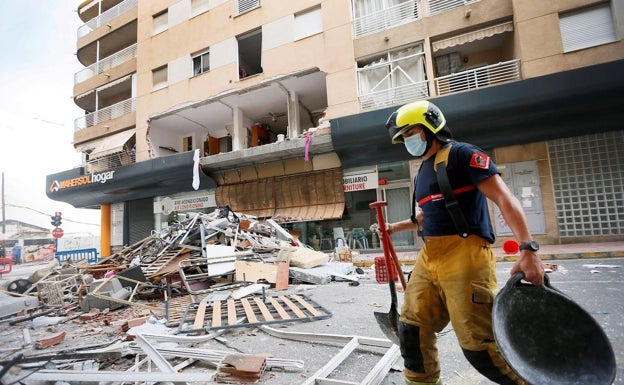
{"x": 114, "y": 83}
{"x": 111, "y": 144}
{"x": 472, "y": 36}
{"x": 295, "y": 198}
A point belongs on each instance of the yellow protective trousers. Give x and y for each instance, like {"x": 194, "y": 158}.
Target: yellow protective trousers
{"x": 453, "y": 280}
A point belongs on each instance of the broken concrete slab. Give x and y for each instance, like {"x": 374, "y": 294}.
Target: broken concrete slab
{"x": 302, "y": 257}
{"x": 12, "y": 305}
{"x": 321, "y": 274}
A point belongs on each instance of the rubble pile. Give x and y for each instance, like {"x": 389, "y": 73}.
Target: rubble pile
{"x": 186, "y": 284}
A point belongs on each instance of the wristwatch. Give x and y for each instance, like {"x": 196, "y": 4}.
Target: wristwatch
{"x": 532, "y": 245}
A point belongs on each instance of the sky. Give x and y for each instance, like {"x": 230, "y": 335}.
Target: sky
{"x": 37, "y": 111}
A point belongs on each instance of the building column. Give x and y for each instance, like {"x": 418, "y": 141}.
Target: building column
{"x": 105, "y": 230}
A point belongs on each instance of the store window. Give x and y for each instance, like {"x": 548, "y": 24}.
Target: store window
{"x": 390, "y": 182}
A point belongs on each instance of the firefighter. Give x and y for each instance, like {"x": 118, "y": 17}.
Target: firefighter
{"x": 454, "y": 277}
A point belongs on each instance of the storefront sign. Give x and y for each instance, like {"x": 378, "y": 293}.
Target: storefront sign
{"x": 100, "y": 177}
{"x": 358, "y": 182}
{"x": 187, "y": 203}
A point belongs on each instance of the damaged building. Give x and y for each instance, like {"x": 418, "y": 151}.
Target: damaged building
{"x": 277, "y": 109}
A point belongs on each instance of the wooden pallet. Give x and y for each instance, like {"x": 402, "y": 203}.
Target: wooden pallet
{"x": 228, "y": 313}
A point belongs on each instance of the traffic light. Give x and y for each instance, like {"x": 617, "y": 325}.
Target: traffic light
{"x": 56, "y": 219}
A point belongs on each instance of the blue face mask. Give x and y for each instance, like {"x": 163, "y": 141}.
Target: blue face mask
{"x": 415, "y": 145}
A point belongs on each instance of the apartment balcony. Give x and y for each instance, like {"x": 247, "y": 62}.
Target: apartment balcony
{"x": 108, "y": 33}
{"x": 116, "y": 66}
{"x": 368, "y": 20}
{"x": 394, "y": 96}
{"x": 376, "y": 21}
{"x": 114, "y": 118}
{"x": 101, "y": 13}
{"x": 98, "y": 163}
{"x": 392, "y": 78}
{"x": 485, "y": 76}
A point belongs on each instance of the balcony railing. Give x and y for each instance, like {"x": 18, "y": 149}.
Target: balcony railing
{"x": 394, "y": 96}
{"x": 438, "y": 6}
{"x": 386, "y": 18}
{"x": 123, "y": 158}
{"x": 105, "y": 64}
{"x": 479, "y": 77}
{"x": 105, "y": 114}
{"x": 105, "y": 17}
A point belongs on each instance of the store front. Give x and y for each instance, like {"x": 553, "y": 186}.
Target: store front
{"x": 355, "y": 229}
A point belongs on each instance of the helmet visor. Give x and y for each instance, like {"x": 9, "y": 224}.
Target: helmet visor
{"x": 393, "y": 130}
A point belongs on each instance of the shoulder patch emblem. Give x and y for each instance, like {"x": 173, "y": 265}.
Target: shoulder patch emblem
{"x": 480, "y": 160}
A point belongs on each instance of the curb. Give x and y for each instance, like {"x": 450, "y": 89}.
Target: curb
{"x": 513, "y": 258}
{"x": 565, "y": 256}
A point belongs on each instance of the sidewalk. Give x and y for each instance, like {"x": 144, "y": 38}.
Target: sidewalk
{"x": 546, "y": 253}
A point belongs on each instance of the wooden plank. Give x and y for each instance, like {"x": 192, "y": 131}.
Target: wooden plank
{"x": 292, "y": 306}
{"x": 305, "y": 304}
{"x": 263, "y": 309}
{"x": 231, "y": 305}
{"x": 216, "y": 313}
{"x": 251, "y": 316}
{"x": 200, "y": 316}
{"x": 279, "y": 308}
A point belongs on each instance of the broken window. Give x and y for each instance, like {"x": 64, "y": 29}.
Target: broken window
{"x": 249, "y": 54}
{"x": 394, "y": 77}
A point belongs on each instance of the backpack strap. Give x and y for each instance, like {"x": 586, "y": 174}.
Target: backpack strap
{"x": 447, "y": 191}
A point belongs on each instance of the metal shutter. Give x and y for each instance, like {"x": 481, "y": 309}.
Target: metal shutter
{"x": 587, "y": 28}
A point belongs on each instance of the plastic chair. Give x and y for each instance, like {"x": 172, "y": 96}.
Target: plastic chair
{"x": 358, "y": 237}
{"x": 6, "y": 265}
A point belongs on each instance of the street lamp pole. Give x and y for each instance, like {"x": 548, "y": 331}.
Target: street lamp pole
{"x": 3, "y": 217}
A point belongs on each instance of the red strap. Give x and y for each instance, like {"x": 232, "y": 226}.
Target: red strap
{"x": 433, "y": 197}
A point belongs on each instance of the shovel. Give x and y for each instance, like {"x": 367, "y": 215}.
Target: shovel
{"x": 389, "y": 322}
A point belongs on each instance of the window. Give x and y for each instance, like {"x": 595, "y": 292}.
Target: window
{"x": 243, "y": 6}
{"x": 159, "y": 78}
{"x": 394, "y": 77}
{"x": 160, "y": 21}
{"x": 199, "y": 6}
{"x": 588, "y": 185}
{"x": 201, "y": 63}
{"x": 308, "y": 23}
{"x": 187, "y": 143}
{"x": 249, "y": 54}
{"x": 586, "y": 28}
{"x": 438, "y": 6}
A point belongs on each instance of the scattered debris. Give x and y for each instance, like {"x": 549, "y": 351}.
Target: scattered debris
{"x": 51, "y": 340}
{"x": 197, "y": 279}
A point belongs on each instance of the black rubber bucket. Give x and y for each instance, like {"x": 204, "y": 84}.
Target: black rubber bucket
{"x": 548, "y": 339}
